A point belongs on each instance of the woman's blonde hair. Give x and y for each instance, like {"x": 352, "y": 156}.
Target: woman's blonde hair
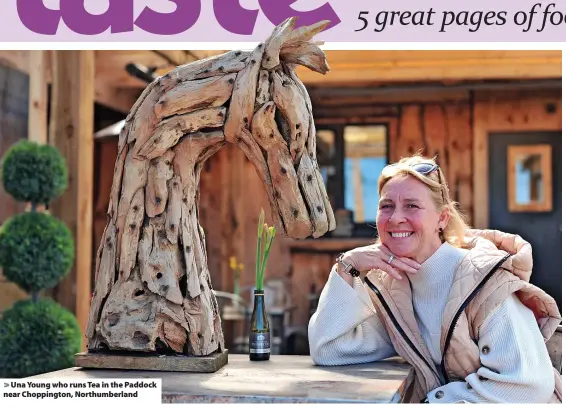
{"x": 436, "y": 182}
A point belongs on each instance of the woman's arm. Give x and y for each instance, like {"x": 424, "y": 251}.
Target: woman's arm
{"x": 345, "y": 328}
{"x": 516, "y": 367}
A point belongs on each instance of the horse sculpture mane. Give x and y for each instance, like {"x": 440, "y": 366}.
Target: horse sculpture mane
{"x": 153, "y": 290}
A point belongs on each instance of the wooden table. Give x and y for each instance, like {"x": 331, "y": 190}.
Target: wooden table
{"x": 286, "y": 379}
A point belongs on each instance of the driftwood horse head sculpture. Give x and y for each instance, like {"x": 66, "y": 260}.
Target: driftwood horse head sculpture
{"x": 153, "y": 290}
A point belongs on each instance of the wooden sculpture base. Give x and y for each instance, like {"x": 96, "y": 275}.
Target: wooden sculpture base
{"x": 152, "y": 362}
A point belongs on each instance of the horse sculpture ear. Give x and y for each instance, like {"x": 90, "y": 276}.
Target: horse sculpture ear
{"x": 295, "y": 46}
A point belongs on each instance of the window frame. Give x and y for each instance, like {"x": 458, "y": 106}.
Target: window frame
{"x": 518, "y": 150}
{"x": 336, "y": 184}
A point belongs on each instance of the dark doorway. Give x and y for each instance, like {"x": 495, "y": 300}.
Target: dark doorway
{"x": 526, "y": 199}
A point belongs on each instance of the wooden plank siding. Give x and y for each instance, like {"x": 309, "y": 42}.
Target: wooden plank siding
{"x": 37, "y": 118}
{"x": 387, "y": 66}
{"x": 232, "y": 195}
{"x": 72, "y": 132}
{"x": 507, "y": 111}
{"x": 441, "y": 129}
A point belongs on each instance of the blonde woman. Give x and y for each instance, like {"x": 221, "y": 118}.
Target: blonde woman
{"x": 455, "y": 303}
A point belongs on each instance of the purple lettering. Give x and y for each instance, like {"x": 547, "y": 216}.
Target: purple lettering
{"x": 279, "y": 10}
{"x": 38, "y": 18}
{"x": 118, "y": 17}
{"x": 234, "y": 18}
{"x": 183, "y": 18}
{"x": 120, "y": 14}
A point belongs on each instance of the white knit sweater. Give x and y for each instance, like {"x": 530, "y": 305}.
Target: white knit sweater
{"x": 346, "y": 330}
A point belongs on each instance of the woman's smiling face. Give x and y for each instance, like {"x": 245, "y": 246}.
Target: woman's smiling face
{"x": 408, "y": 221}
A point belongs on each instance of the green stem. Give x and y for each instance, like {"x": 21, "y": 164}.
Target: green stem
{"x": 237, "y": 284}
{"x": 269, "y": 239}
{"x": 257, "y": 265}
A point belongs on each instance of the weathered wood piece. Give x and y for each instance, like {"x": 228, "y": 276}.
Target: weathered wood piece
{"x": 262, "y": 88}
{"x": 227, "y": 63}
{"x": 313, "y": 197}
{"x": 292, "y": 105}
{"x": 130, "y": 236}
{"x": 242, "y": 105}
{"x": 129, "y": 361}
{"x": 193, "y": 95}
{"x": 275, "y": 41}
{"x": 153, "y": 290}
{"x": 104, "y": 276}
{"x": 156, "y": 193}
{"x": 306, "y": 33}
{"x": 171, "y": 130}
{"x": 280, "y": 164}
{"x": 143, "y": 122}
{"x": 306, "y": 54}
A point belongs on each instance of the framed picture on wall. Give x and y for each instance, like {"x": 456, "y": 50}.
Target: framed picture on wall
{"x": 529, "y": 178}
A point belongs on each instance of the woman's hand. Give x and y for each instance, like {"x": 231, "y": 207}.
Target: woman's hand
{"x": 376, "y": 256}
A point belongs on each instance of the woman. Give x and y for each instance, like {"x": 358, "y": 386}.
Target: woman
{"x": 455, "y": 303}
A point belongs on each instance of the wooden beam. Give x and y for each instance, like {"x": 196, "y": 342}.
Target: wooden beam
{"x": 177, "y": 57}
{"x": 387, "y": 66}
{"x": 71, "y": 131}
{"x": 37, "y": 116}
{"x": 397, "y": 95}
{"x": 355, "y": 110}
{"x": 120, "y": 99}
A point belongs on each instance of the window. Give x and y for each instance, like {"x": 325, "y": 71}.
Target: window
{"x": 529, "y": 181}
{"x": 351, "y": 158}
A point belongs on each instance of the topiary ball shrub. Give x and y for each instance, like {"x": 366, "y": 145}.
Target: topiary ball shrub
{"x": 36, "y": 338}
{"x": 34, "y": 172}
{"x": 36, "y": 250}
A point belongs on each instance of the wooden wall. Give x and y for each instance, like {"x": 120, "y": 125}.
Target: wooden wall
{"x": 441, "y": 129}
{"x": 14, "y": 90}
{"x": 439, "y": 124}
{"x": 507, "y": 111}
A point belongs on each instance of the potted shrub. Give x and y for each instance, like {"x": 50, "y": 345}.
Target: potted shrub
{"x": 36, "y": 252}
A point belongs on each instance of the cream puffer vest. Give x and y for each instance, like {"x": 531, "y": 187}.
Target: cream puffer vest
{"x": 497, "y": 265}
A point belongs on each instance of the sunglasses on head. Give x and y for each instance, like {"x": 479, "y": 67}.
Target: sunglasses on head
{"x": 425, "y": 168}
